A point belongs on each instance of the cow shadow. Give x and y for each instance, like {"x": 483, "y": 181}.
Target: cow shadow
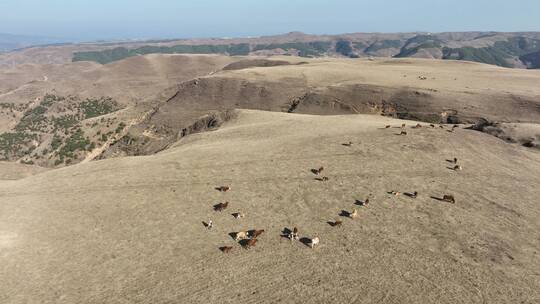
{"x": 440, "y": 199}
{"x": 286, "y": 232}
{"x": 334, "y": 223}
{"x": 244, "y": 243}
{"x": 306, "y": 241}
{"x": 411, "y": 195}
{"x": 321, "y": 179}
{"x": 345, "y": 213}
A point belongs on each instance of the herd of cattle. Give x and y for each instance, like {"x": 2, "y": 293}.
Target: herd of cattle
{"x": 249, "y": 238}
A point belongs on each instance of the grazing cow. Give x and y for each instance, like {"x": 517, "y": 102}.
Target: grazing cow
{"x": 238, "y": 215}
{"x": 314, "y": 241}
{"x": 336, "y": 223}
{"x": 221, "y": 206}
{"x": 226, "y": 249}
{"x": 432, "y": 125}
{"x": 417, "y": 126}
{"x": 353, "y": 214}
{"x": 294, "y": 234}
{"x": 442, "y": 127}
{"x": 256, "y": 233}
{"x": 449, "y": 198}
{"x": 223, "y": 188}
{"x": 241, "y": 235}
{"x": 250, "y": 243}
{"x": 317, "y": 171}
{"x": 457, "y": 168}
{"x": 364, "y": 203}
{"x": 387, "y": 126}
{"x": 403, "y": 133}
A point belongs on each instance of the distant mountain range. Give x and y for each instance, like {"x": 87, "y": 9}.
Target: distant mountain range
{"x": 514, "y": 50}
{"x": 9, "y": 42}
{"x": 519, "y": 50}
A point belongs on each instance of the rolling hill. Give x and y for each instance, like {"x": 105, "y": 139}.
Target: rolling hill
{"x": 58, "y": 115}
{"x": 130, "y": 229}
{"x": 518, "y": 50}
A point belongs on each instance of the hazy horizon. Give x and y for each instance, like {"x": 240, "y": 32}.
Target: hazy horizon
{"x": 102, "y": 20}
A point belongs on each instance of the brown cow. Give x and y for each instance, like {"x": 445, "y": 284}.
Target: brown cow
{"x": 403, "y": 125}
{"x": 250, "y": 243}
{"x": 457, "y": 168}
{"x": 223, "y": 188}
{"x": 336, "y": 223}
{"x": 221, "y": 206}
{"x": 387, "y": 126}
{"x": 256, "y": 233}
{"x": 225, "y": 249}
{"x": 449, "y": 198}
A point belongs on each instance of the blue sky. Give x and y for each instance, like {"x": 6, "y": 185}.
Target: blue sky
{"x": 117, "y": 19}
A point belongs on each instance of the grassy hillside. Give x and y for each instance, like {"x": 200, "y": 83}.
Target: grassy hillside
{"x": 51, "y": 132}
{"x": 130, "y": 230}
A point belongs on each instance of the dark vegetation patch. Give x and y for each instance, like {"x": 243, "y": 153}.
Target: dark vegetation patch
{"x": 383, "y": 44}
{"x": 516, "y": 47}
{"x": 532, "y": 60}
{"x": 250, "y": 63}
{"x": 119, "y": 53}
{"x": 305, "y": 49}
{"x": 359, "y": 45}
{"x": 52, "y": 129}
{"x": 97, "y": 107}
{"x": 413, "y": 45}
{"x": 344, "y": 47}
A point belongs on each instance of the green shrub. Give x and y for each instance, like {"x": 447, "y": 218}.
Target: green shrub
{"x": 97, "y": 107}
{"x": 344, "y": 47}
